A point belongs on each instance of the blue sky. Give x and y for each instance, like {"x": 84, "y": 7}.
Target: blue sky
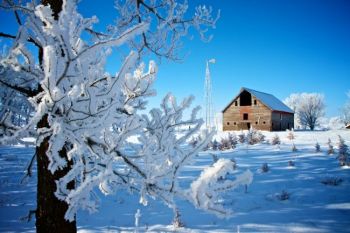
{"x": 279, "y": 47}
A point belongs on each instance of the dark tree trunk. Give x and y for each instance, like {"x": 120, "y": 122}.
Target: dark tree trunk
{"x": 50, "y": 211}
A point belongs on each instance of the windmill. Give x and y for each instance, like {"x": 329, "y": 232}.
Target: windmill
{"x": 208, "y": 98}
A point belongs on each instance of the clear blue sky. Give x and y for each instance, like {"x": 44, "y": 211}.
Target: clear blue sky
{"x": 279, "y": 47}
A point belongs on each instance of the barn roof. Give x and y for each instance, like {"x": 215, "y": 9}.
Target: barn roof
{"x": 267, "y": 99}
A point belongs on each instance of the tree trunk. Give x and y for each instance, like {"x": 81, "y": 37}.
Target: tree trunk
{"x": 50, "y": 211}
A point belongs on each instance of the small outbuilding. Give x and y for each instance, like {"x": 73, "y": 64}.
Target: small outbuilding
{"x": 263, "y": 111}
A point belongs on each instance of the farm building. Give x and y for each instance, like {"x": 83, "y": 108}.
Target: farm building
{"x": 259, "y": 110}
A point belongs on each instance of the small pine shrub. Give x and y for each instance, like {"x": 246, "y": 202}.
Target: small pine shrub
{"x": 177, "y": 223}
{"x": 215, "y": 157}
{"x": 241, "y": 137}
{"x": 254, "y": 136}
{"x": 332, "y": 181}
{"x": 291, "y": 163}
{"x": 283, "y": 196}
{"x": 294, "y": 148}
{"x": 276, "y": 140}
{"x": 265, "y": 168}
{"x": 234, "y": 164}
{"x": 194, "y": 142}
{"x": 317, "y": 147}
{"x": 290, "y": 134}
{"x": 215, "y": 145}
{"x": 233, "y": 140}
{"x": 330, "y": 150}
{"x": 342, "y": 151}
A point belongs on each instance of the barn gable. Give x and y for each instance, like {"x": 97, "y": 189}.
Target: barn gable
{"x": 268, "y": 100}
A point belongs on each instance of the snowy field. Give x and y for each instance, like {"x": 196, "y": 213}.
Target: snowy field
{"x": 310, "y": 205}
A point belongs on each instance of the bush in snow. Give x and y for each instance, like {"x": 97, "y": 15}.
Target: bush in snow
{"x": 234, "y": 164}
{"x": 294, "y": 148}
{"x": 225, "y": 144}
{"x": 342, "y": 151}
{"x": 177, "y": 223}
{"x": 194, "y": 141}
{"x": 330, "y": 149}
{"x": 214, "y": 157}
{"x": 276, "y": 140}
{"x": 291, "y": 163}
{"x": 290, "y": 134}
{"x": 333, "y": 181}
{"x": 254, "y": 136}
{"x": 215, "y": 145}
{"x": 265, "y": 168}
{"x": 283, "y": 196}
{"x": 233, "y": 140}
{"x": 317, "y": 147}
{"x": 241, "y": 137}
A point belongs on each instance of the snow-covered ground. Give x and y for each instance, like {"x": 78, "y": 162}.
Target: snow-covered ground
{"x": 311, "y": 207}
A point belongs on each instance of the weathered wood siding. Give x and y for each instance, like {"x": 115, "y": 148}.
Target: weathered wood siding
{"x": 282, "y": 121}
{"x": 259, "y": 116}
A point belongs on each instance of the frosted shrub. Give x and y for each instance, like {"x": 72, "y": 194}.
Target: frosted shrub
{"x": 291, "y": 163}
{"x": 177, "y": 223}
{"x": 283, "y": 196}
{"x": 265, "y": 168}
{"x": 233, "y": 140}
{"x": 294, "y": 148}
{"x": 276, "y": 140}
{"x": 225, "y": 144}
{"x": 215, "y": 145}
{"x": 342, "y": 151}
{"x": 194, "y": 142}
{"x": 241, "y": 137}
{"x": 254, "y": 136}
{"x": 332, "y": 181}
{"x": 317, "y": 147}
{"x": 234, "y": 164}
{"x": 290, "y": 134}
{"x": 330, "y": 149}
{"x": 208, "y": 146}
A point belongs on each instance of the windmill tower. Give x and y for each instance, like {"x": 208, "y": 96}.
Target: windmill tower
{"x": 208, "y": 99}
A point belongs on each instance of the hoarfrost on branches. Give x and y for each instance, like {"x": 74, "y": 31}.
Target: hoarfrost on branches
{"x": 90, "y": 113}
{"x": 206, "y": 190}
{"x": 308, "y": 108}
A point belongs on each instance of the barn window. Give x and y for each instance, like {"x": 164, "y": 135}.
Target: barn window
{"x": 245, "y": 99}
{"x": 236, "y": 104}
{"x": 234, "y": 123}
{"x": 228, "y": 123}
{"x": 254, "y": 102}
{"x": 264, "y": 122}
{"x": 245, "y": 116}
{"x": 256, "y": 122}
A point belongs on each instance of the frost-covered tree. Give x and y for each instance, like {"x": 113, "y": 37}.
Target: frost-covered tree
{"x": 309, "y": 107}
{"x": 293, "y": 101}
{"x": 346, "y": 111}
{"x": 83, "y": 115}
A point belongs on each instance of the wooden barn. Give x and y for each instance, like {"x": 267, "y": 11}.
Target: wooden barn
{"x": 259, "y": 110}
